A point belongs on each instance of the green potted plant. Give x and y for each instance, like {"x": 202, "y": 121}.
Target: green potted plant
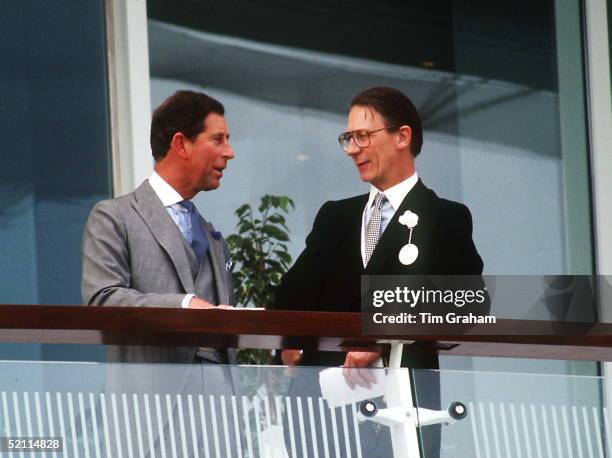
{"x": 260, "y": 252}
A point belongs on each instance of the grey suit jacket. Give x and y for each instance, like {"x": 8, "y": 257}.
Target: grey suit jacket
{"x": 133, "y": 254}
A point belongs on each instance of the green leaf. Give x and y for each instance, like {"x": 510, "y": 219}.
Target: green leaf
{"x": 265, "y": 203}
{"x": 285, "y": 202}
{"x": 233, "y": 239}
{"x": 283, "y": 256}
{"x": 240, "y": 212}
{"x": 277, "y": 219}
{"x": 245, "y": 226}
{"x": 274, "y": 265}
{"x": 275, "y": 232}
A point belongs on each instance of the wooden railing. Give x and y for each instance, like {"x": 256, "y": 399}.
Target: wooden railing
{"x": 328, "y": 331}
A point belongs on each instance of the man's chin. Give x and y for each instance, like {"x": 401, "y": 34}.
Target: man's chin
{"x": 211, "y": 186}
{"x": 365, "y": 177}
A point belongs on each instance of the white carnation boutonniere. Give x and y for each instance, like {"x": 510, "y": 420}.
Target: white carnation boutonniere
{"x": 409, "y": 252}
{"x": 409, "y": 219}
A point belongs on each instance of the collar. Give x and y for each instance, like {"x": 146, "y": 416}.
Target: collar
{"x": 395, "y": 194}
{"x": 166, "y": 193}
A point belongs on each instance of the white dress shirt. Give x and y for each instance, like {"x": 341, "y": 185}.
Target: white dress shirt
{"x": 179, "y": 214}
{"x": 394, "y": 198}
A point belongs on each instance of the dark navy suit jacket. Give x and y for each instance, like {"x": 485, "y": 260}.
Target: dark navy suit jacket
{"x": 327, "y": 275}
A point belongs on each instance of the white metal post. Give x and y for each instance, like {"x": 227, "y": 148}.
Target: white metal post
{"x": 600, "y": 134}
{"x": 129, "y": 92}
{"x": 404, "y": 435}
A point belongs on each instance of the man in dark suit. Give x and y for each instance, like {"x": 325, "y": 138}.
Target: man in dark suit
{"x": 151, "y": 247}
{"x": 362, "y": 235}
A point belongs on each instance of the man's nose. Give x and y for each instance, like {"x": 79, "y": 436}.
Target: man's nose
{"x": 352, "y": 147}
{"x": 229, "y": 152}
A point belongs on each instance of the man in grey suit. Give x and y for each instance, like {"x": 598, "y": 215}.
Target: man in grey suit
{"x": 151, "y": 247}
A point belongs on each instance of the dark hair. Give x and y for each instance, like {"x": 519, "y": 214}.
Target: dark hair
{"x": 183, "y": 111}
{"x": 396, "y": 109}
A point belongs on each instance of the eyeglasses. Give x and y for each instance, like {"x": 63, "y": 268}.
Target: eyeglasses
{"x": 361, "y": 137}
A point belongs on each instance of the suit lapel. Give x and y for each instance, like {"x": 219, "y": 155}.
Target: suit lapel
{"x": 217, "y": 259}
{"x": 348, "y": 259}
{"x": 159, "y": 222}
{"x": 396, "y": 235}
{"x": 352, "y": 251}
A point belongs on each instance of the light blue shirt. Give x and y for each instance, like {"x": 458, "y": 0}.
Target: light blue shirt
{"x": 179, "y": 214}
{"x": 170, "y": 199}
{"x": 394, "y": 197}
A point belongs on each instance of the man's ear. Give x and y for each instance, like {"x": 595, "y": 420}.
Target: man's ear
{"x": 404, "y": 137}
{"x": 180, "y": 144}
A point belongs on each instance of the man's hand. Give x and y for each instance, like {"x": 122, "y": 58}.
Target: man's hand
{"x": 291, "y": 357}
{"x": 355, "y": 372}
{"x": 197, "y": 303}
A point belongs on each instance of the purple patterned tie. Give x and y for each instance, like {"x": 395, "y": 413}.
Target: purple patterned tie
{"x": 199, "y": 240}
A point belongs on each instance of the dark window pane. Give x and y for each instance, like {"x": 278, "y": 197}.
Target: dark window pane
{"x": 56, "y": 156}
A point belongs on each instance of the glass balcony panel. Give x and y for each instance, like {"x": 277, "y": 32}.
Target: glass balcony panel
{"x": 211, "y": 410}
{"x": 513, "y": 415}
{"x": 135, "y": 410}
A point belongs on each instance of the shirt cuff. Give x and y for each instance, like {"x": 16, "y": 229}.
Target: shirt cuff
{"x": 186, "y": 300}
